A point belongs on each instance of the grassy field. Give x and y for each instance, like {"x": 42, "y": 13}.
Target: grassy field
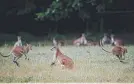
{"x": 96, "y": 66}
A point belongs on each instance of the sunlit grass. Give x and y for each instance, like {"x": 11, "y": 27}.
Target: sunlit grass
{"x": 96, "y": 66}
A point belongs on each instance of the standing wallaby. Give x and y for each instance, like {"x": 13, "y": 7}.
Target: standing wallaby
{"x": 65, "y": 61}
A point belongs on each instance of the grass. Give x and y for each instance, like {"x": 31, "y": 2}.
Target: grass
{"x": 96, "y": 66}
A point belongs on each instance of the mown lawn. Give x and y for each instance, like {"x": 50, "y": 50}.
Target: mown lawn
{"x": 96, "y": 66}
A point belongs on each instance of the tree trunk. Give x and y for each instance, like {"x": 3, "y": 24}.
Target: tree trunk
{"x": 56, "y": 27}
{"x": 101, "y": 24}
{"x": 95, "y": 26}
{"x": 102, "y": 19}
{"x": 87, "y": 25}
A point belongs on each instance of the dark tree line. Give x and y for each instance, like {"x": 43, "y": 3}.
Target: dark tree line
{"x": 91, "y": 12}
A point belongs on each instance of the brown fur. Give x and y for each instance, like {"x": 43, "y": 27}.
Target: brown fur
{"x": 64, "y": 60}
{"x": 80, "y": 41}
{"x": 116, "y": 41}
{"x": 61, "y": 43}
{"x": 19, "y": 52}
{"x": 25, "y": 49}
{"x": 119, "y": 51}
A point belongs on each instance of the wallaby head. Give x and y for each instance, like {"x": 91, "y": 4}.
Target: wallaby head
{"x": 112, "y": 35}
{"x": 55, "y": 45}
{"x": 105, "y": 34}
{"x": 28, "y": 46}
{"x": 19, "y": 37}
{"x": 54, "y": 41}
{"x": 83, "y": 35}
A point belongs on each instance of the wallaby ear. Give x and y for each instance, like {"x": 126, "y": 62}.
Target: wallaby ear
{"x": 83, "y": 34}
{"x": 55, "y": 43}
{"x": 19, "y": 37}
{"x": 112, "y": 35}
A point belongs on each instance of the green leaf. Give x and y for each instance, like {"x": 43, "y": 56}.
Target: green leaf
{"x": 60, "y": 9}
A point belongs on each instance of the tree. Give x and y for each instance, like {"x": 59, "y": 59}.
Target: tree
{"x": 61, "y": 9}
{"x": 21, "y": 7}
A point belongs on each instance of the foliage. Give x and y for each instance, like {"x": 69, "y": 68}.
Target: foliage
{"x": 21, "y": 7}
{"x": 60, "y": 9}
{"x": 59, "y": 37}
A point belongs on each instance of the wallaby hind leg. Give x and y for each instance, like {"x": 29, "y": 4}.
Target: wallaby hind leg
{"x": 53, "y": 63}
{"x": 16, "y": 63}
{"x": 26, "y": 58}
{"x": 118, "y": 57}
{"x": 123, "y": 57}
{"x": 15, "y": 60}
